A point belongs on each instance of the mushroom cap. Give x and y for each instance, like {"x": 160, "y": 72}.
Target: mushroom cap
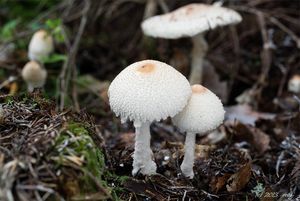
{"x": 189, "y": 21}
{"x": 40, "y": 46}
{"x": 203, "y": 113}
{"x": 148, "y": 90}
{"x": 294, "y": 84}
{"x": 34, "y": 74}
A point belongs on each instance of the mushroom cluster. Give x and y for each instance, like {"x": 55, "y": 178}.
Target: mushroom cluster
{"x": 193, "y": 21}
{"x": 150, "y": 90}
{"x": 143, "y": 92}
{"x": 40, "y": 47}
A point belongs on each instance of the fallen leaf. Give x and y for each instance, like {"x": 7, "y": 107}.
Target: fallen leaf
{"x": 214, "y": 137}
{"x": 256, "y": 137}
{"x": 143, "y": 188}
{"x": 203, "y": 151}
{"x": 239, "y": 180}
{"x": 245, "y": 114}
{"x": 218, "y": 182}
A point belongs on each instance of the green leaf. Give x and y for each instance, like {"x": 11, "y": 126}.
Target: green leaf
{"x": 53, "y": 23}
{"x": 55, "y": 27}
{"x": 7, "y": 31}
{"x": 53, "y": 58}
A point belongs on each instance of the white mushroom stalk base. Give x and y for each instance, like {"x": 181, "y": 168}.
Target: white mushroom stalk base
{"x": 142, "y": 157}
{"x": 200, "y": 48}
{"x": 30, "y": 88}
{"x": 189, "y": 155}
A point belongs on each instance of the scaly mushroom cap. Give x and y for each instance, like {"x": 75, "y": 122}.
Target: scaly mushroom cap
{"x": 189, "y": 21}
{"x": 34, "y": 75}
{"x": 203, "y": 113}
{"x": 40, "y": 46}
{"x": 148, "y": 90}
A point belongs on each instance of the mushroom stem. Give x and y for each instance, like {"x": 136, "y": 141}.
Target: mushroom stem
{"x": 30, "y": 88}
{"x": 200, "y": 48}
{"x": 189, "y": 155}
{"x": 142, "y": 157}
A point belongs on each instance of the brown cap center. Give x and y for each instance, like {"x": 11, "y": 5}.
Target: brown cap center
{"x": 146, "y": 68}
{"x": 296, "y": 77}
{"x": 197, "y": 88}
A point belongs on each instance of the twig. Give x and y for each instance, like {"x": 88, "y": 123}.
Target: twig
{"x": 286, "y": 30}
{"x": 70, "y": 62}
{"x": 237, "y": 50}
{"x": 150, "y": 8}
{"x": 163, "y": 6}
{"x": 272, "y": 19}
{"x": 266, "y": 53}
{"x": 284, "y": 70}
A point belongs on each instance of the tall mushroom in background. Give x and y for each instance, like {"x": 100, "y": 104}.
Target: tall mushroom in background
{"x": 34, "y": 75}
{"x": 192, "y": 20}
{"x": 203, "y": 113}
{"x": 143, "y": 92}
{"x": 294, "y": 84}
{"x": 40, "y": 46}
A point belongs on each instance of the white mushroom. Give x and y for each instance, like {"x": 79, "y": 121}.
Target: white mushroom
{"x": 294, "y": 84}
{"x": 144, "y": 92}
{"x": 192, "y": 20}
{"x": 40, "y": 46}
{"x": 34, "y": 75}
{"x": 203, "y": 113}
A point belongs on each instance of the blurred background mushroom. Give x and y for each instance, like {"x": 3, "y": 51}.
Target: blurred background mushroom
{"x": 191, "y": 21}
{"x": 34, "y": 74}
{"x": 40, "y": 46}
{"x": 294, "y": 84}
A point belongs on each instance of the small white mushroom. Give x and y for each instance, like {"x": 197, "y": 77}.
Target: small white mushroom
{"x": 40, "y": 46}
{"x": 294, "y": 84}
{"x": 203, "y": 113}
{"x": 34, "y": 75}
{"x": 192, "y": 20}
{"x": 143, "y": 92}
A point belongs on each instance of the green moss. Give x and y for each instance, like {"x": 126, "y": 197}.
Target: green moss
{"x": 75, "y": 140}
{"x": 80, "y": 143}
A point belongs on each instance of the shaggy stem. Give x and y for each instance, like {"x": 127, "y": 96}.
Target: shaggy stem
{"x": 189, "y": 155}
{"x": 142, "y": 157}
{"x": 198, "y": 53}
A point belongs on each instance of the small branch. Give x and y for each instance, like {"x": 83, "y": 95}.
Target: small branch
{"x": 69, "y": 64}
{"x": 286, "y": 30}
{"x": 150, "y": 8}
{"x": 163, "y": 6}
{"x": 266, "y": 53}
{"x": 272, "y": 19}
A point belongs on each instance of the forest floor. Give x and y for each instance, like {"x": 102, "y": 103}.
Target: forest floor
{"x": 66, "y": 144}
